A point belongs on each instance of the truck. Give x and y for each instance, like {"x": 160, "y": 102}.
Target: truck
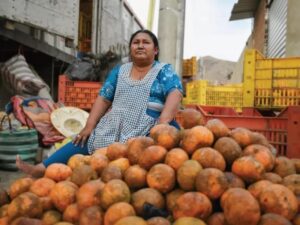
{"x": 52, "y": 33}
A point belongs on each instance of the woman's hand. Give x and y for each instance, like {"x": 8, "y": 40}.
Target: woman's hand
{"x": 98, "y": 110}
{"x": 82, "y": 137}
{"x": 164, "y": 119}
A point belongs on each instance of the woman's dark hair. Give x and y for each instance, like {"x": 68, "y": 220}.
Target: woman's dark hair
{"x": 153, "y": 37}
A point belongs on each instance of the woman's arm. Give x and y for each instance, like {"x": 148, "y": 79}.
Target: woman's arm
{"x": 101, "y": 105}
{"x": 99, "y": 108}
{"x": 171, "y": 107}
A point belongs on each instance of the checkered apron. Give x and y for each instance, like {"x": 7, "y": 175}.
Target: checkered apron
{"x": 128, "y": 117}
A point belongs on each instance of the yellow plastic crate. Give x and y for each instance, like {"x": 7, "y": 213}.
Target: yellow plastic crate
{"x": 196, "y": 92}
{"x": 202, "y": 93}
{"x": 227, "y": 95}
{"x": 277, "y": 97}
{"x": 185, "y": 101}
{"x": 189, "y": 67}
{"x": 270, "y": 83}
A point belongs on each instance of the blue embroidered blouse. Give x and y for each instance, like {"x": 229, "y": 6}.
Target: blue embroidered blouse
{"x": 166, "y": 81}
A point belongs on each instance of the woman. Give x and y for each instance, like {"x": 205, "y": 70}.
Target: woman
{"x": 136, "y": 96}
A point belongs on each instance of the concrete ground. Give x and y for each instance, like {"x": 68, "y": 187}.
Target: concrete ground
{"x": 7, "y": 177}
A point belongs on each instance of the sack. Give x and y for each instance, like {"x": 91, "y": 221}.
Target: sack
{"x": 81, "y": 70}
{"x": 23, "y": 142}
{"x": 19, "y": 78}
{"x": 35, "y": 113}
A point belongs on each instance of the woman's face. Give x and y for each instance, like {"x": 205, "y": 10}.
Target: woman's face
{"x": 142, "y": 48}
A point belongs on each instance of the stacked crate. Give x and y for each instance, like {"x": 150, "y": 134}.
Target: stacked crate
{"x": 81, "y": 94}
{"x": 189, "y": 72}
{"x": 230, "y": 95}
{"x": 201, "y": 92}
{"x": 196, "y": 92}
{"x": 189, "y": 67}
{"x": 271, "y": 83}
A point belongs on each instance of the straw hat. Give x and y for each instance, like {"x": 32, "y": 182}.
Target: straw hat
{"x": 69, "y": 121}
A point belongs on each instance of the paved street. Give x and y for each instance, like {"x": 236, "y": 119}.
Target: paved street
{"x": 7, "y": 177}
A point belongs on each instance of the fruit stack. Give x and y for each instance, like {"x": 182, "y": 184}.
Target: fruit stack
{"x": 201, "y": 174}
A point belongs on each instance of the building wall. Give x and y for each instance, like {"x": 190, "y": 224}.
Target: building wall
{"x": 55, "y": 17}
{"x": 113, "y": 25}
{"x": 277, "y": 29}
{"x": 293, "y": 29}
{"x": 259, "y": 27}
{"x": 256, "y": 40}
{"x": 50, "y": 22}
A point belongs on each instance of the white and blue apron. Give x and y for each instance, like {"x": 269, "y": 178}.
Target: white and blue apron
{"x": 128, "y": 116}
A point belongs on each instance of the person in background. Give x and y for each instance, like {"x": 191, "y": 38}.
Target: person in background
{"x": 135, "y": 96}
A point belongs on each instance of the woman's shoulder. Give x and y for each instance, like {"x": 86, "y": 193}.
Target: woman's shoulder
{"x": 166, "y": 70}
{"x": 116, "y": 69}
{"x": 169, "y": 78}
{"x": 113, "y": 74}
{"x": 164, "y": 64}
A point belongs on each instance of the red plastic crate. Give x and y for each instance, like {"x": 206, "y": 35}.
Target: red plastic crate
{"x": 81, "y": 94}
{"x": 282, "y": 131}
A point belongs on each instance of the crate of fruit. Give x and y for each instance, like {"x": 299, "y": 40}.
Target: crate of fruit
{"x": 282, "y": 130}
